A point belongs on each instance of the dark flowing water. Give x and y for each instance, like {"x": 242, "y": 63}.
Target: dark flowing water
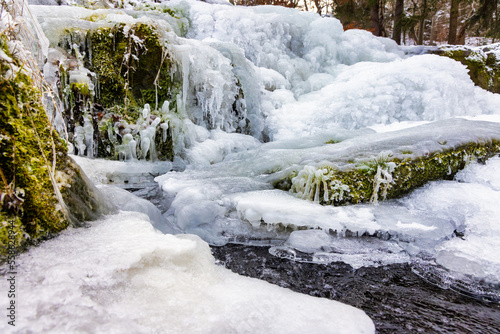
{"x": 399, "y": 298}
{"x": 394, "y": 296}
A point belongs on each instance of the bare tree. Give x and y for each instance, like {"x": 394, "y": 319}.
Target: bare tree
{"x": 398, "y": 15}
{"x": 452, "y": 34}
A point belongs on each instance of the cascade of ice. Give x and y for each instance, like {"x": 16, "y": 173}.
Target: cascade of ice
{"x": 316, "y": 93}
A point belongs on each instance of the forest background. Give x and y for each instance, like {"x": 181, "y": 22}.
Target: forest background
{"x": 409, "y": 22}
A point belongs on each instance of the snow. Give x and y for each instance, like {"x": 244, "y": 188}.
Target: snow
{"x": 121, "y": 275}
{"x": 473, "y": 203}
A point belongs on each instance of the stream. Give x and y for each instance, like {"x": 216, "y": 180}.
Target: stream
{"x": 393, "y": 296}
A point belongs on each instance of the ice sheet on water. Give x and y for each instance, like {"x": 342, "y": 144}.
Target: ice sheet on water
{"x": 121, "y": 275}
{"x": 474, "y": 203}
{"x": 317, "y": 246}
{"x": 127, "y": 174}
{"x": 126, "y": 201}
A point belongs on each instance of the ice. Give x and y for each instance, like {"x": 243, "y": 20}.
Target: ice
{"x": 127, "y": 201}
{"x": 316, "y": 246}
{"x": 122, "y": 275}
{"x": 318, "y": 96}
{"x": 366, "y": 94}
{"x": 126, "y": 174}
{"x": 473, "y": 204}
{"x": 218, "y": 146}
{"x": 88, "y": 129}
{"x": 309, "y": 241}
{"x": 231, "y": 200}
{"x": 127, "y": 150}
{"x": 79, "y": 139}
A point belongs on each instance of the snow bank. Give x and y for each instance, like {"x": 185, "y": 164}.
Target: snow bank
{"x": 121, "y": 275}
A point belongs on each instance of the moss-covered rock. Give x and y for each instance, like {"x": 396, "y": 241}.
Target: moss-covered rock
{"x": 389, "y": 165}
{"x": 483, "y": 65}
{"x": 132, "y": 65}
{"x": 385, "y": 177}
{"x": 129, "y": 67}
{"x": 39, "y": 183}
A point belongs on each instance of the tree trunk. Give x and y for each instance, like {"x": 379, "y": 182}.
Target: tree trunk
{"x": 421, "y": 26}
{"x": 376, "y": 18}
{"x": 398, "y": 14}
{"x": 452, "y": 35}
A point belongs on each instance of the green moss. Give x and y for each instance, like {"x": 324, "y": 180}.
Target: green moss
{"x": 26, "y": 138}
{"x": 141, "y": 77}
{"x": 30, "y": 150}
{"x": 80, "y": 88}
{"x": 132, "y": 67}
{"x": 107, "y": 47}
{"x": 384, "y": 177}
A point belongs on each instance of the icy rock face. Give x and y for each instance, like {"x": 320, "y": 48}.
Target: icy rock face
{"x": 103, "y": 97}
{"x": 132, "y": 58}
{"x": 43, "y": 190}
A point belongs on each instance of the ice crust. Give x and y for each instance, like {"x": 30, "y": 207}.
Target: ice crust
{"x": 123, "y": 276}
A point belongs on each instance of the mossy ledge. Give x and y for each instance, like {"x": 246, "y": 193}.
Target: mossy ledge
{"x": 483, "y": 65}
{"x": 388, "y": 165}
{"x": 43, "y": 191}
{"x": 385, "y": 177}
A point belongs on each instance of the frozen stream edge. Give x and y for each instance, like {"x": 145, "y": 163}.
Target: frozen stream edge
{"x": 123, "y": 276}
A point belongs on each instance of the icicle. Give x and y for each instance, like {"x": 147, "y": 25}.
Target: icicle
{"x": 164, "y": 127}
{"x": 89, "y": 136}
{"x": 146, "y": 112}
{"x": 182, "y": 54}
{"x": 165, "y": 108}
{"x": 145, "y": 141}
{"x": 133, "y": 147}
{"x": 79, "y": 138}
{"x": 126, "y": 151}
{"x": 148, "y": 141}
{"x": 382, "y": 177}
